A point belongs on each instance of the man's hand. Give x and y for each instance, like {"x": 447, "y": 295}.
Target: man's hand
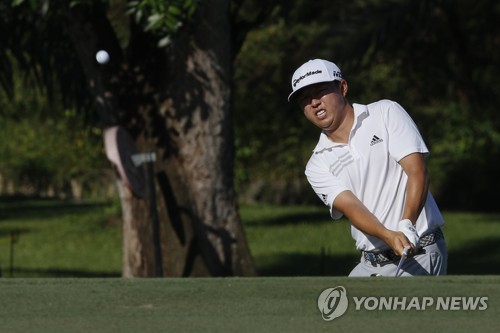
{"x": 407, "y": 228}
{"x": 398, "y": 242}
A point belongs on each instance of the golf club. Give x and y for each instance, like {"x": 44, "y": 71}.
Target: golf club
{"x": 403, "y": 258}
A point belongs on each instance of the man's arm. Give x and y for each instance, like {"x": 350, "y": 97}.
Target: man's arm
{"x": 417, "y": 187}
{"x": 364, "y": 220}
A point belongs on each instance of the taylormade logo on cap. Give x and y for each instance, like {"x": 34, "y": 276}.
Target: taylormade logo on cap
{"x": 305, "y": 75}
{"x": 314, "y": 71}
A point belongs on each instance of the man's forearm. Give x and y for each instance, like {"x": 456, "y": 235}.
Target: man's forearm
{"x": 365, "y": 221}
{"x": 417, "y": 186}
{"x": 360, "y": 216}
{"x": 416, "y": 195}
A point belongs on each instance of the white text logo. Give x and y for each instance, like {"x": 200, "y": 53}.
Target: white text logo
{"x": 332, "y": 303}
{"x": 421, "y": 303}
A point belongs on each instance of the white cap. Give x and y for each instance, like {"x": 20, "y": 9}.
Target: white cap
{"x": 314, "y": 71}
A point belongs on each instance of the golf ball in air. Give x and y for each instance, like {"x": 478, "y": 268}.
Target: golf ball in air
{"x": 102, "y": 57}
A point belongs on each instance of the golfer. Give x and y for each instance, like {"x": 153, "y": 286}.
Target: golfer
{"x": 369, "y": 165}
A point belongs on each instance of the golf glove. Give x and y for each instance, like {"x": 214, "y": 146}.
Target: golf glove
{"x": 407, "y": 228}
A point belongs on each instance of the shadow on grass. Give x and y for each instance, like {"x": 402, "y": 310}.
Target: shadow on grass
{"x": 10, "y": 233}
{"x": 18, "y": 208}
{"x": 315, "y": 217}
{"x": 57, "y": 273}
{"x": 298, "y": 264}
{"x": 478, "y": 258}
{"x": 481, "y": 257}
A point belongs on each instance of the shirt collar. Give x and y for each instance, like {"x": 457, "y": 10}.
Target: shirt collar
{"x": 360, "y": 113}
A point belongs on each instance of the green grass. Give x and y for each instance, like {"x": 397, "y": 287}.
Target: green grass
{"x": 284, "y": 304}
{"x": 295, "y": 244}
{"x": 302, "y": 240}
{"x": 59, "y": 239}
{"x": 62, "y": 239}
{"x": 298, "y": 240}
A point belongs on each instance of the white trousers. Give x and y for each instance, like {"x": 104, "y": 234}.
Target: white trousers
{"x": 434, "y": 261}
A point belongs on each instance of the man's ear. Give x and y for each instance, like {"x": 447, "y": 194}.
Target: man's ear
{"x": 344, "y": 87}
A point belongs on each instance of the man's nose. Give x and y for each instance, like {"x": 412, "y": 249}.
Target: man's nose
{"x": 315, "y": 101}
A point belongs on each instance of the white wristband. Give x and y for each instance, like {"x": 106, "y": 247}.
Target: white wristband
{"x": 407, "y": 228}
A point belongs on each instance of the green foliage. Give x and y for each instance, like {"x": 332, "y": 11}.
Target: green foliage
{"x": 437, "y": 59}
{"x": 45, "y": 145}
{"x": 39, "y": 50}
{"x": 273, "y": 139}
{"x": 44, "y": 152}
{"x": 164, "y": 18}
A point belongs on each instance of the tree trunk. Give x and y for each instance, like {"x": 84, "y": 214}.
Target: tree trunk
{"x": 174, "y": 102}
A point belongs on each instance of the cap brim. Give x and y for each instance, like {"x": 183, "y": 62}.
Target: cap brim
{"x": 294, "y": 93}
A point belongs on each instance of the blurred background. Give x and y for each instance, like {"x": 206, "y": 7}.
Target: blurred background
{"x": 439, "y": 59}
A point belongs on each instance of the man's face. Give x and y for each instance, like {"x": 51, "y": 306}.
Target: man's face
{"x": 324, "y": 104}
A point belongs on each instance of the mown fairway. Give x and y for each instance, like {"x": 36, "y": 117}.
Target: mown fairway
{"x": 72, "y": 242}
{"x": 287, "y": 304}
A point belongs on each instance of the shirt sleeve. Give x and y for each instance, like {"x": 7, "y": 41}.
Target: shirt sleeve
{"x": 326, "y": 186}
{"x": 404, "y": 137}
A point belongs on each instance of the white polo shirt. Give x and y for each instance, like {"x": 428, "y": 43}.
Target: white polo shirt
{"x": 382, "y": 134}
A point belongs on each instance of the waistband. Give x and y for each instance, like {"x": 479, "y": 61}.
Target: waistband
{"x": 387, "y": 256}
